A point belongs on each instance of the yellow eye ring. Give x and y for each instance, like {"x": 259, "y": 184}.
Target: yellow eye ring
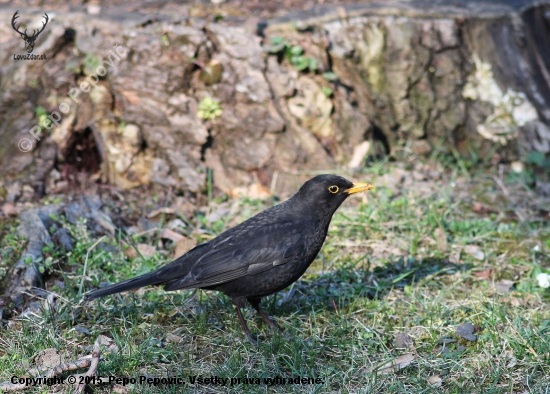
{"x": 333, "y": 189}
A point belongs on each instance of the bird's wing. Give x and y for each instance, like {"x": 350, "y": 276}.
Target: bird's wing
{"x": 257, "y": 248}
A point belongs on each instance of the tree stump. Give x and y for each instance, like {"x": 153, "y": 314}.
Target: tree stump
{"x": 161, "y": 96}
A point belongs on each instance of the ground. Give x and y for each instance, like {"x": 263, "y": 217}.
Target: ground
{"x": 425, "y": 284}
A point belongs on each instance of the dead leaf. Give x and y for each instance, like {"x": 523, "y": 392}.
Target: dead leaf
{"x": 176, "y": 223}
{"x": 108, "y": 343}
{"x": 184, "y": 206}
{"x": 398, "y": 364}
{"x": 514, "y": 302}
{"x": 132, "y": 96}
{"x": 173, "y": 338}
{"x": 253, "y": 191}
{"x": 475, "y": 251}
{"x": 503, "y": 285}
{"x": 403, "y": 341}
{"x": 183, "y": 246}
{"x": 441, "y": 239}
{"x": 435, "y": 380}
{"x": 164, "y": 211}
{"x": 171, "y": 235}
{"x": 484, "y": 274}
{"x": 145, "y": 250}
{"x": 9, "y": 209}
{"x": 466, "y": 331}
{"x": 455, "y": 257}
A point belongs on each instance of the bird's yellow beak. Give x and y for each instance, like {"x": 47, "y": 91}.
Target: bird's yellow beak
{"x": 359, "y": 187}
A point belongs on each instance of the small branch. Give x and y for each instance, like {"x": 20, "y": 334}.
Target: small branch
{"x": 84, "y": 362}
{"x": 93, "y": 367}
{"x": 91, "y": 361}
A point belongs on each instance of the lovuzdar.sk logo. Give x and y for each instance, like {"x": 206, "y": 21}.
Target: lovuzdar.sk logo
{"x": 29, "y": 39}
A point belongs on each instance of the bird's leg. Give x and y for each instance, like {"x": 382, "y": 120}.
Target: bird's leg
{"x": 237, "y": 306}
{"x": 255, "y": 302}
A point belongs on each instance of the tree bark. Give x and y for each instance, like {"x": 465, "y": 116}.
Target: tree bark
{"x": 414, "y": 75}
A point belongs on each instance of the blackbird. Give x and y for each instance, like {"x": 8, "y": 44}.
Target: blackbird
{"x": 260, "y": 256}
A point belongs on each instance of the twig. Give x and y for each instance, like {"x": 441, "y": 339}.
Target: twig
{"x": 83, "y": 362}
{"x": 93, "y": 368}
{"x": 91, "y": 361}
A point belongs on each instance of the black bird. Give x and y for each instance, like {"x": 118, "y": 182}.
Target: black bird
{"x": 260, "y": 256}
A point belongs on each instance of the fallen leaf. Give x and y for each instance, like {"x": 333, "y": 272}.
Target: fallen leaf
{"x": 176, "y": 223}
{"x": 253, "y": 191}
{"x": 173, "y": 338}
{"x": 484, "y": 274}
{"x": 108, "y": 343}
{"x": 466, "y": 331}
{"x": 171, "y": 235}
{"x": 165, "y": 211}
{"x": 146, "y": 250}
{"x": 503, "y": 285}
{"x": 515, "y": 302}
{"x": 9, "y": 209}
{"x": 435, "y": 380}
{"x": 132, "y": 96}
{"x": 183, "y": 246}
{"x": 403, "y": 341}
{"x": 455, "y": 257}
{"x": 399, "y": 363}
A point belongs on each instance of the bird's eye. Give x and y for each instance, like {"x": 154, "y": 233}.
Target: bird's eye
{"x": 333, "y": 189}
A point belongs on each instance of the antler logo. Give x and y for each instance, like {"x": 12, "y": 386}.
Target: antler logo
{"x": 29, "y": 40}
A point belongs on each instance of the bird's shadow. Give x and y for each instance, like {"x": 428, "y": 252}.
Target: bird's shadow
{"x": 349, "y": 282}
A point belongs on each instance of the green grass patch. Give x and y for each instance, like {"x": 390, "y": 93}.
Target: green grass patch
{"x": 416, "y": 256}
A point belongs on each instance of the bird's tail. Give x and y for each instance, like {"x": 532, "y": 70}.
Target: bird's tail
{"x": 151, "y": 278}
{"x": 175, "y": 271}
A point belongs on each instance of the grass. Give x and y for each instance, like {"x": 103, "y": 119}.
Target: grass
{"x": 416, "y": 257}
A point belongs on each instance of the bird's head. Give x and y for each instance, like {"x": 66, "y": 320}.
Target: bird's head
{"x": 329, "y": 191}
